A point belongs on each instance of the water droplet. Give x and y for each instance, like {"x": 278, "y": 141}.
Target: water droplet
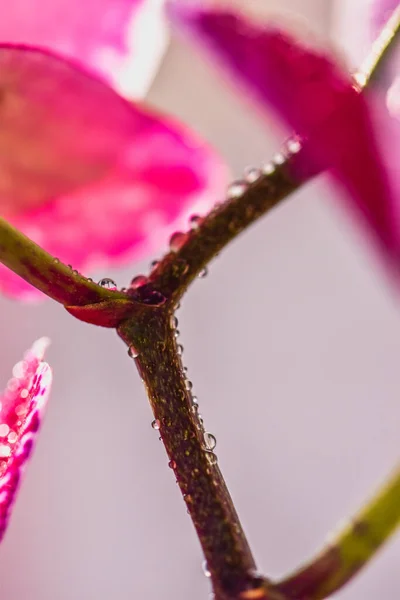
{"x": 172, "y": 464}
{"x": 279, "y": 158}
{"x": 174, "y": 322}
{"x": 268, "y": 168}
{"x": 203, "y": 273}
{"x": 154, "y": 264}
{"x": 138, "y": 281}
{"x": 107, "y": 283}
{"x": 293, "y": 146}
{"x": 236, "y": 189}
{"x": 133, "y": 352}
{"x": 188, "y": 384}
{"x": 211, "y": 457}
{"x": 205, "y": 568}
{"x": 154, "y": 298}
{"x": 195, "y": 221}
{"x": 179, "y": 349}
{"x": 156, "y": 424}
{"x": 177, "y": 240}
{"x": 12, "y": 437}
{"x": 210, "y": 441}
{"x": 56, "y": 261}
{"x": 185, "y": 369}
{"x": 252, "y": 174}
{"x": 4, "y": 430}
{"x": 75, "y": 272}
{"x": 195, "y": 400}
{"x": 90, "y": 279}
{"x": 177, "y": 333}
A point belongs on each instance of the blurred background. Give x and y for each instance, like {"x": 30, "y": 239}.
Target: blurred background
{"x": 292, "y": 343}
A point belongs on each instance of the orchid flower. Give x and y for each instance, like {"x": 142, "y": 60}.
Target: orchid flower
{"x": 21, "y": 411}
{"x": 94, "y": 179}
{"x": 315, "y": 98}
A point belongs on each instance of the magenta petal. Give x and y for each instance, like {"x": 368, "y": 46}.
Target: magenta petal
{"x": 314, "y": 97}
{"x": 21, "y": 410}
{"x": 121, "y": 40}
{"x": 95, "y": 180}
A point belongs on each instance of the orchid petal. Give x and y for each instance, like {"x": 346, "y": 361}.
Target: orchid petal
{"x": 313, "y": 96}
{"x": 121, "y": 40}
{"x": 21, "y": 410}
{"x": 93, "y": 179}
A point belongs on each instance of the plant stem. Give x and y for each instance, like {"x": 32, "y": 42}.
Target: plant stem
{"x": 380, "y": 51}
{"x": 47, "y": 273}
{"x": 178, "y": 269}
{"x": 150, "y": 336}
{"x": 352, "y": 549}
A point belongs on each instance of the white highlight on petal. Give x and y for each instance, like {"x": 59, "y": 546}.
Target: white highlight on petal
{"x": 146, "y": 38}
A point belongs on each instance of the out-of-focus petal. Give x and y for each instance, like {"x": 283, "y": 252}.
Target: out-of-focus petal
{"x": 122, "y": 40}
{"x": 315, "y": 97}
{"x": 21, "y": 411}
{"x": 95, "y": 180}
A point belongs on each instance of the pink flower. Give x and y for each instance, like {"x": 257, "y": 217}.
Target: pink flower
{"x": 21, "y": 410}
{"x": 315, "y": 98}
{"x": 120, "y": 40}
{"x": 92, "y": 178}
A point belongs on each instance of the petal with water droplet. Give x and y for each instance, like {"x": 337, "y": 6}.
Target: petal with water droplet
{"x": 21, "y": 410}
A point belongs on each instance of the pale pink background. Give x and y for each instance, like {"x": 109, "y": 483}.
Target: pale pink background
{"x": 293, "y": 345}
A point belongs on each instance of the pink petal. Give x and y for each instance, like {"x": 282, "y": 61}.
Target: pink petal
{"x": 121, "y": 40}
{"x": 314, "y": 97}
{"x": 21, "y": 411}
{"x": 95, "y": 180}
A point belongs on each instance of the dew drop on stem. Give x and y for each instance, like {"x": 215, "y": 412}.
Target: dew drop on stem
{"x": 203, "y": 273}
{"x": 177, "y": 240}
{"x": 133, "y": 352}
{"x": 211, "y": 457}
{"x": 206, "y": 570}
{"x": 156, "y": 424}
{"x": 279, "y": 158}
{"x": 268, "y": 168}
{"x": 293, "y": 146}
{"x": 236, "y": 189}
{"x": 107, "y": 283}
{"x": 172, "y": 464}
{"x": 252, "y": 174}
{"x": 195, "y": 221}
{"x": 138, "y": 281}
{"x": 210, "y": 441}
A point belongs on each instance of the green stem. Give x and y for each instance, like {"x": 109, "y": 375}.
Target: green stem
{"x": 47, "y": 273}
{"x": 352, "y": 549}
